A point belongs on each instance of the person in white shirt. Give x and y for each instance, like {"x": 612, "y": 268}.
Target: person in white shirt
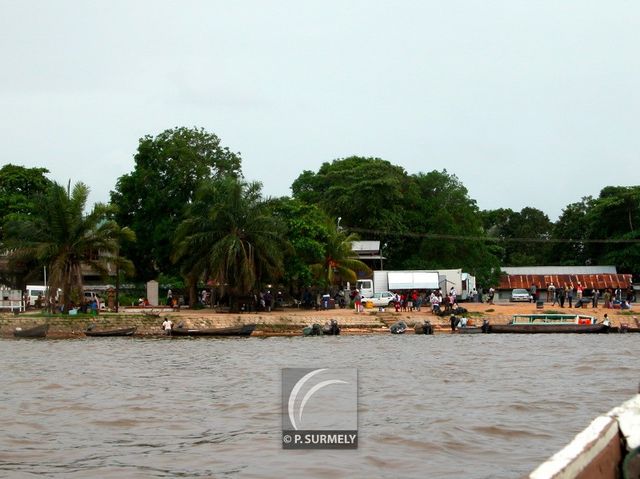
{"x": 167, "y": 326}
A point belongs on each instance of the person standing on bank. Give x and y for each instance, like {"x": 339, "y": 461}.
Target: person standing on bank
{"x": 551, "y": 294}
{"x": 595, "y": 297}
{"x": 570, "y": 295}
{"x": 534, "y": 293}
{"x": 560, "y": 293}
{"x": 357, "y": 301}
{"x": 167, "y": 326}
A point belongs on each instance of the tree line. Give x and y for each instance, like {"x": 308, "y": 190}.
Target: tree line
{"x": 185, "y": 214}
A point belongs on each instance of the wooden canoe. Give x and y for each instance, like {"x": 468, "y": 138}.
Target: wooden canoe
{"x": 110, "y": 332}
{"x": 35, "y": 332}
{"x": 244, "y": 331}
{"x": 468, "y": 330}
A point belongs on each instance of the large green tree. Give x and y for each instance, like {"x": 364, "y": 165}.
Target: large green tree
{"x": 570, "y": 231}
{"x": 523, "y": 235}
{"x": 308, "y": 228}
{"x": 448, "y": 229}
{"x": 231, "y": 237}
{"x": 19, "y": 188}
{"x": 423, "y": 220}
{"x": 62, "y": 237}
{"x": 615, "y": 215}
{"x": 364, "y": 192}
{"x": 151, "y": 199}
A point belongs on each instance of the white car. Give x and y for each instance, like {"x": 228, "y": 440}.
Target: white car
{"x": 520, "y": 294}
{"x": 383, "y": 299}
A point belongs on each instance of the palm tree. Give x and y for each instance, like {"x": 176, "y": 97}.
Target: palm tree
{"x": 230, "y": 236}
{"x": 339, "y": 260}
{"x": 63, "y": 238}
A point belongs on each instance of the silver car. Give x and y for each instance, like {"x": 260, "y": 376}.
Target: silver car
{"x": 520, "y": 294}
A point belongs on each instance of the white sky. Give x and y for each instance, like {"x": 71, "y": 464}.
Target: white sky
{"x": 529, "y": 103}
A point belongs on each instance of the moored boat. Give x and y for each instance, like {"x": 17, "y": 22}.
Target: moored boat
{"x": 110, "y": 332}
{"x": 608, "y": 448}
{"x": 398, "y": 328}
{"x": 425, "y": 328}
{"x": 314, "y": 330}
{"x": 331, "y": 328}
{"x": 550, "y": 323}
{"x": 469, "y": 330}
{"x": 244, "y": 330}
{"x": 39, "y": 331}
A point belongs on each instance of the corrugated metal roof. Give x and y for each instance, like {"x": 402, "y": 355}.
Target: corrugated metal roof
{"x": 559, "y": 269}
{"x": 599, "y": 281}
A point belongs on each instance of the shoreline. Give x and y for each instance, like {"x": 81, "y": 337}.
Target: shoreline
{"x": 287, "y": 322}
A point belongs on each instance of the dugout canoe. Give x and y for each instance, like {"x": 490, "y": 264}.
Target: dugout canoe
{"x": 110, "y": 332}
{"x": 468, "y": 330}
{"x": 35, "y": 332}
{"x": 242, "y": 331}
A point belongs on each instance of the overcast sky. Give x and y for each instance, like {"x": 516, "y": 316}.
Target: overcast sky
{"x": 529, "y": 103}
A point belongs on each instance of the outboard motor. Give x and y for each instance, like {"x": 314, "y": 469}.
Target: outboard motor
{"x": 427, "y": 328}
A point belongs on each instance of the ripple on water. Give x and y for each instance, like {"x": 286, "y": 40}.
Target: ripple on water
{"x": 488, "y": 406}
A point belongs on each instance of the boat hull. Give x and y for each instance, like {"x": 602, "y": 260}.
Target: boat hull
{"x": 469, "y": 330}
{"x": 242, "y": 331}
{"x": 110, "y": 332}
{"x": 549, "y": 328}
{"x": 35, "y": 332}
{"x": 606, "y": 448}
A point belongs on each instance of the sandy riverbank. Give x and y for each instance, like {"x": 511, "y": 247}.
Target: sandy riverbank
{"x": 287, "y": 322}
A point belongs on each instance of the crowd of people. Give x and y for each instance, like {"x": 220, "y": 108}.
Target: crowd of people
{"x": 613, "y": 298}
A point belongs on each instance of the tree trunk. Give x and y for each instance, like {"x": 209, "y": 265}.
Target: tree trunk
{"x": 193, "y": 290}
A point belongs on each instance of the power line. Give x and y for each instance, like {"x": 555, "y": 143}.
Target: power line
{"x": 491, "y": 238}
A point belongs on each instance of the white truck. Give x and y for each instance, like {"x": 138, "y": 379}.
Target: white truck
{"x": 419, "y": 280}
{"x": 397, "y": 281}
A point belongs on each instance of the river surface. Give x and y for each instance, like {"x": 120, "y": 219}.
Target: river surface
{"x": 445, "y": 406}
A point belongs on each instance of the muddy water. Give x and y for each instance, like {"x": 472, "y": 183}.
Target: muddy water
{"x": 483, "y": 406}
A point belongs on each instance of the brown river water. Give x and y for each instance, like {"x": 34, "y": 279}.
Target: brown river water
{"x": 444, "y": 406}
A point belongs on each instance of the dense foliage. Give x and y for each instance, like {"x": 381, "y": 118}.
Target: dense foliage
{"x": 230, "y": 237}
{"x": 151, "y": 200}
{"x": 195, "y": 217}
{"x": 62, "y": 237}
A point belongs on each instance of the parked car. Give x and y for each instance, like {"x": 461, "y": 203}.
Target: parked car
{"x": 383, "y": 299}
{"x": 520, "y": 294}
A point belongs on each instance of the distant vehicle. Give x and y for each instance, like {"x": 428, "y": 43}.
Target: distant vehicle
{"x": 422, "y": 281}
{"x": 384, "y": 281}
{"x": 520, "y": 294}
{"x": 380, "y": 300}
{"x": 35, "y": 292}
